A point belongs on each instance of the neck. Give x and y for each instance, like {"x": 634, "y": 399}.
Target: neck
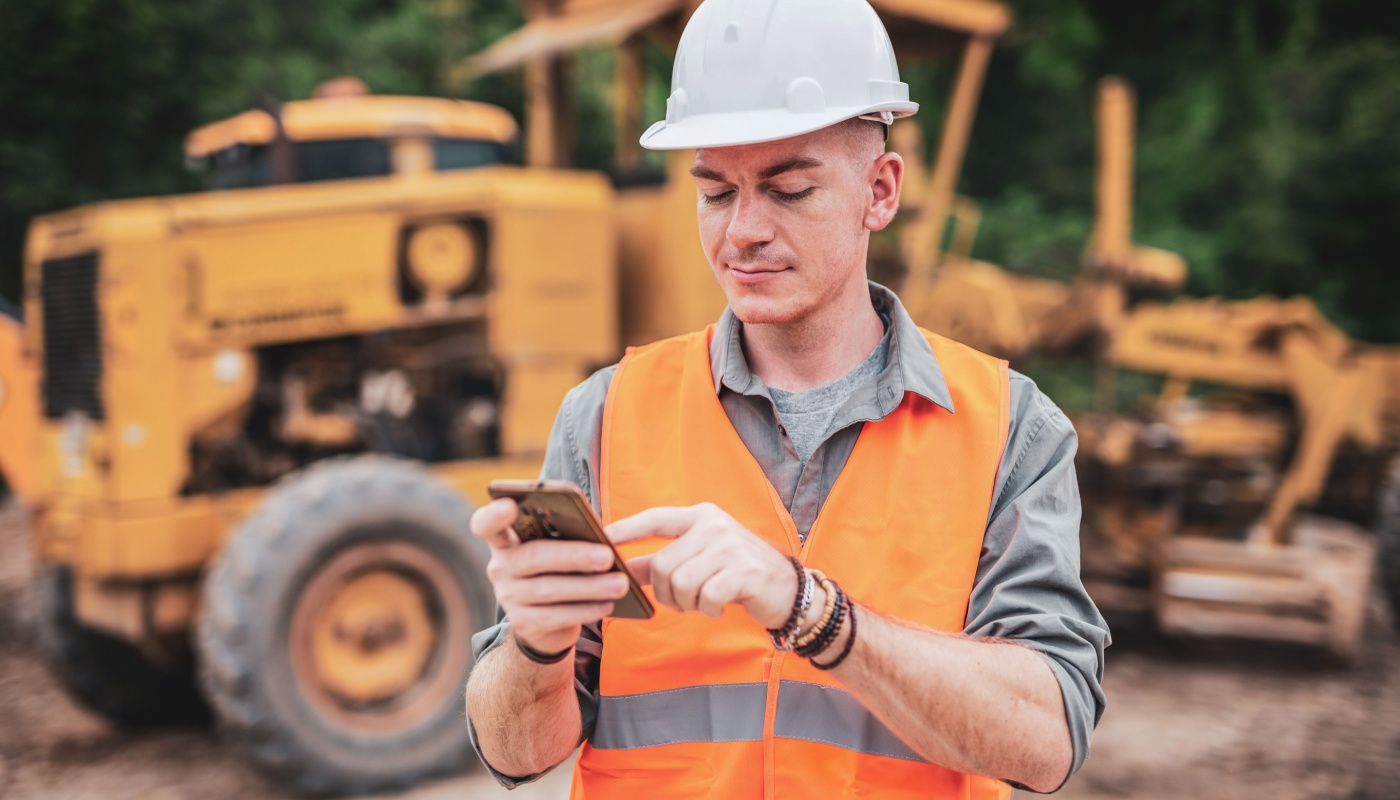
{"x": 818, "y": 348}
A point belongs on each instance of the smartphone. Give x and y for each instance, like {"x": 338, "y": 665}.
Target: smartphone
{"x": 559, "y": 510}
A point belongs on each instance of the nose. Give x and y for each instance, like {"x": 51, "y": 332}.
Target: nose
{"x": 750, "y": 224}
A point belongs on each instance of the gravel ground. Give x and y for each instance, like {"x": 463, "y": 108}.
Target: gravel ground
{"x": 1185, "y": 720}
{"x": 1215, "y": 721}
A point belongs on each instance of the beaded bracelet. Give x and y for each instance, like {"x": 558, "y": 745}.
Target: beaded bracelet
{"x": 783, "y": 637}
{"x": 829, "y": 631}
{"x": 850, "y": 640}
{"x": 787, "y": 640}
{"x": 832, "y": 595}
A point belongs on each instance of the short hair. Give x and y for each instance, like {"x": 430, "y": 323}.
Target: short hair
{"x": 865, "y": 138}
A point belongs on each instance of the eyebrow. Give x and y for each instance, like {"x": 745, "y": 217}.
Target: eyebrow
{"x": 801, "y": 162}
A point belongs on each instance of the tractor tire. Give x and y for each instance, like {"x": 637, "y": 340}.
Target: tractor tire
{"x": 1388, "y": 538}
{"x": 108, "y": 675}
{"x": 334, "y": 638}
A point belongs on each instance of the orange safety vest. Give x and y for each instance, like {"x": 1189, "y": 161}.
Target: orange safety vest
{"x": 697, "y": 707}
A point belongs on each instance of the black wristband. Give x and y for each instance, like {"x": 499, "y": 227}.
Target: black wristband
{"x": 540, "y": 658}
{"x": 850, "y": 640}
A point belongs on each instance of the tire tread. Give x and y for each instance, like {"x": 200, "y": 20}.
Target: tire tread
{"x": 256, "y": 560}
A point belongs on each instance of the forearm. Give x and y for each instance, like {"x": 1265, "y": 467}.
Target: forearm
{"x": 976, "y": 706}
{"x": 526, "y": 715}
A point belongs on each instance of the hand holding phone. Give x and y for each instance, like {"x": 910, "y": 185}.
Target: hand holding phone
{"x": 558, "y": 510}
{"x": 573, "y": 576}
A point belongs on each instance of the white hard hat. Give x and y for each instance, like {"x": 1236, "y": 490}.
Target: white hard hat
{"x": 750, "y": 71}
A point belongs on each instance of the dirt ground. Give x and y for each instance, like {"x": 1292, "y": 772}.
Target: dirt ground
{"x": 1185, "y": 720}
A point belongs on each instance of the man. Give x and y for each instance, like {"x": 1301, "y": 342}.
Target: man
{"x": 814, "y": 429}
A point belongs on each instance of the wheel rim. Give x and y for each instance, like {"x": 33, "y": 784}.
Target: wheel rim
{"x": 379, "y": 637}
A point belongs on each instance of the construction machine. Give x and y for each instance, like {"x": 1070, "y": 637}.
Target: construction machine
{"x": 1193, "y": 498}
{"x": 251, "y": 423}
{"x": 266, "y": 411}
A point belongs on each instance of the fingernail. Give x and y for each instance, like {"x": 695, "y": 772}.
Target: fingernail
{"x": 619, "y": 583}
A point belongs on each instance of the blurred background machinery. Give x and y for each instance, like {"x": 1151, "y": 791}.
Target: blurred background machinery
{"x": 237, "y": 388}
{"x": 261, "y": 414}
{"x": 1265, "y": 408}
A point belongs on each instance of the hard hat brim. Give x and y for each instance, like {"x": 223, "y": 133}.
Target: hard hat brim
{"x": 754, "y": 127}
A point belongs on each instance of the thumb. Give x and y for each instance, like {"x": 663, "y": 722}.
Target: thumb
{"x": 491, "y": 523}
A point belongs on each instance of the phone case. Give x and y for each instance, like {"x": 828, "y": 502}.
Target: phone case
{"x": 559, "y": 510}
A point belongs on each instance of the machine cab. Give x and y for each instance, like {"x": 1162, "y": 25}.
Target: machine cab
{"x": 345, "y": 132}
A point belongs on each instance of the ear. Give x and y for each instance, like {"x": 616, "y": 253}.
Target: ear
{"x": 886, "y": 177}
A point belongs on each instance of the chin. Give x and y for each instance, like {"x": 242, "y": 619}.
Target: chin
{"x": 758, "y": 310}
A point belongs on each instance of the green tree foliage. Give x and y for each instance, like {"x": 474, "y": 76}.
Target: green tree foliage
{"x": 96, "y": 96}
{"x": 1267, "y": 143}
{"x": 1266, "y": 149}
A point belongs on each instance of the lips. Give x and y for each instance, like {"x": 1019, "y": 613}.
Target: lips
{"x": 755, "y": 272}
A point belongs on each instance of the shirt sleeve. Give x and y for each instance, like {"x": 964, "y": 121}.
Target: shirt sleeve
{"x": 570, "y": 455}
{"x": 1028, "y": 587}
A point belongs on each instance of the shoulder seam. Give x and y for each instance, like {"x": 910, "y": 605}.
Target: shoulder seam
{"x": 1025, "y": 449}
{"x": 571, "y": 435}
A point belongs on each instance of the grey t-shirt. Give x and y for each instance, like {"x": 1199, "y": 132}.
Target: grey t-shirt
{"x": 1027, "y": 587}
{"x": 807, "y": 415}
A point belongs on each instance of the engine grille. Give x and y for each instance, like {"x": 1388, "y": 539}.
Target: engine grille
{"x": 72, "y": 337}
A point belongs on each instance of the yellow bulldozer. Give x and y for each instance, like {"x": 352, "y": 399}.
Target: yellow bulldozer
{"x": 250, "y": 423}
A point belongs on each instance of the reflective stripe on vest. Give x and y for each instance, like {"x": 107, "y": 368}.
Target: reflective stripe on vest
{"x": 733, "y": 712}
{"x": 699, "y": 707}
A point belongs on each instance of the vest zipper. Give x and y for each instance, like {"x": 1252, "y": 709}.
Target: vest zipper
{"x": 806, "y": 547}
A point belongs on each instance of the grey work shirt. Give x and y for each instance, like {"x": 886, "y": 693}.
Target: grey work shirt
{"x": 1027, "y": 587}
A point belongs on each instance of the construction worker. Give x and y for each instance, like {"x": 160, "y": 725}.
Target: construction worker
{"x": 862, "y": 538}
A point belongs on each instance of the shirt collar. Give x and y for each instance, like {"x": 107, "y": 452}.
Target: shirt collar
{"x": 911, "y": 365}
